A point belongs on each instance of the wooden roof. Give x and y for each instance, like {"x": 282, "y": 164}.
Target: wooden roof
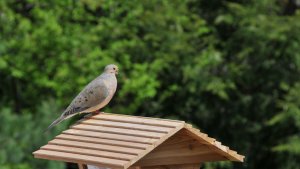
{"x": 121, "y": 141}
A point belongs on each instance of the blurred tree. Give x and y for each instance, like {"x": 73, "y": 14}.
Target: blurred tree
{"x": 231, "y": 67}
{"x": 21, "y": 134}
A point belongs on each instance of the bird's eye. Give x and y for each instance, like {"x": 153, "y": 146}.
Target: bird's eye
{"x": 114, "y": 68}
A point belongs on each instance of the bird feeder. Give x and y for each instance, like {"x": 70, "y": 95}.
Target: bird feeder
{"x": 119, "y": 142}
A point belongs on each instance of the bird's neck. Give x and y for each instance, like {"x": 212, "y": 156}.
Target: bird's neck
{"x": 105, "y": 75}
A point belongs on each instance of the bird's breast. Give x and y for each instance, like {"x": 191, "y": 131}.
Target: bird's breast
{"x": 111, "y": 84}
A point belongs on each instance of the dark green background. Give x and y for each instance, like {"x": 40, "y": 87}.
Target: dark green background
{"x": 231, "y": 68}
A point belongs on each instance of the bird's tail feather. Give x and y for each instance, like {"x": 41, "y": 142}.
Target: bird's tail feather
{"x": 57, "y": 121}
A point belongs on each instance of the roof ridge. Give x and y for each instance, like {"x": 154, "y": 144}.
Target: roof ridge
{"x": 145, "y": 117}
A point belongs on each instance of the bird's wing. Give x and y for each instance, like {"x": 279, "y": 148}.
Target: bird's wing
{"x": 92, "y": 95}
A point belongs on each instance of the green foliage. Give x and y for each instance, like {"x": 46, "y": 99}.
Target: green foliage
{"x": 291, "y": 145}
{"x": 230, "y": 68}
{"x": 20, "y": 135}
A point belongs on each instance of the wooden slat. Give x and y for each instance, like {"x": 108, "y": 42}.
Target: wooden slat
{"x": 179, "y": 141}
{"x": 213, "y": 145}
{"x": 188, "y": 143}
{"x": 91, "y": 152}
{"x": 111, "y": 136}
{"x": 140, "y": 127}
{"x": 121, "y": 131}
{"x": 159, "y": 142}
{"x": 187, "y": 133}
{"x": 96, "y": 146}
{"x": 78, "y": 158}
{"x": 201, "y": 137}
{"x": 234, "y": 153}
{"x": 220, "y": 146}
{"x": 177, "y": 138}
{"x": 178, "y": 152}
{"x": 145, "y": 117}
{"x": 180, "y": 160}
{"x": 137, "y": 120}
{"x": 102, "y": 141}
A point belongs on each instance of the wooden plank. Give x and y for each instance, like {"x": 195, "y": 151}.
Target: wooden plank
{"x": 78, "y": 158}
{"x": 111, "y": 136}
{"x": 187, "y": 143}
{"x": 115, "y": 124}
{"x": 102, "y": 141}
{"x": 145, "y": 117}
{"x": 91, "y": 152}
{"x": 202, "y": 137}
{"x": 220, "y": 146}
{"x": 137, "y": 120}
{"x": 184, "y": 144}
{"x": 185, "y": 133}
{"x": 159, "y": 142}
{"x": 92, "y": 146}
{"x": 234, "y": 153}
{"x": 121, "y": 131}
{"x": 178, "y": 152}
{"x": 179, "y": 141}
{"x": 213, "y": 146}
{"x": 177, "y": 138}
{"x": 180, "y": 160}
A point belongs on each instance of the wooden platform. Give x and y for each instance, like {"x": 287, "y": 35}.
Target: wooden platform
{"x": 121, "y": 141}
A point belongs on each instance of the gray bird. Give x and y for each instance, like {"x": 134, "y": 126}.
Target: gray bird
{"x": 94, "y": 96}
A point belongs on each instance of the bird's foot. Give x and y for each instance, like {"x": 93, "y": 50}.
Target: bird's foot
{"x": 97, "y": 112}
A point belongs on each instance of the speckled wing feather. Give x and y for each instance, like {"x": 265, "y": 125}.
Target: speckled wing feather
{"x": 90, "y": 96}
{"x": 93, "y": 94}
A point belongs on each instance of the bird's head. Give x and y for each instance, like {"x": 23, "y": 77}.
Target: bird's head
{"x": 111, "y": 69}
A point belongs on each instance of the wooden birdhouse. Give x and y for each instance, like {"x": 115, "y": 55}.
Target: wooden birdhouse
{"x": 120, "y": 142}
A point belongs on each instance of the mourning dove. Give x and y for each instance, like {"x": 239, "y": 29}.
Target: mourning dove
{"x": 94, "y": 96}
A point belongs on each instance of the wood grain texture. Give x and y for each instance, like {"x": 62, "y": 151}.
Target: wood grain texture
{"x": 102, "y": 141}
{"x": 121, "y": 141}
{"x": 111, "y": 136}
{"x": 78, "y": 158}
{"x": 179, "y": 152}
{"x": 93, "y": 146}
{"x": 214, "y": 145}
{"x": 140, "y": 127}
{"x": 138, "y": 120}
{"x": 129, "y": 132}
{"x": 180, "y": 160}
{"x": 91, "y": 152}
{"x": 163, "y": 139}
